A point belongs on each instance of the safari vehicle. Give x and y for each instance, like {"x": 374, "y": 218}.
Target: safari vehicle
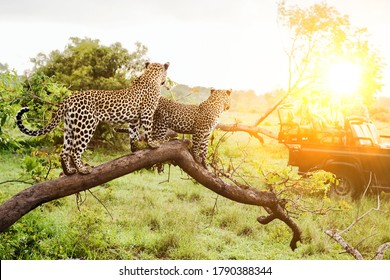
{"x": 353, "y": 151}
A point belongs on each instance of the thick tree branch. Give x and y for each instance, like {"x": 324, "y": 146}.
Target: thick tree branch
{"x": 174, "y": 151}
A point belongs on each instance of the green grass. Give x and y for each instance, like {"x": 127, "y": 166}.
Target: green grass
{"x": 151, "y": 217}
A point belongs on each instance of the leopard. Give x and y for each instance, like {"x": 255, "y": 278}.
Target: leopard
{"x": 83, "y": 111}
{"x": 199, "y": 120}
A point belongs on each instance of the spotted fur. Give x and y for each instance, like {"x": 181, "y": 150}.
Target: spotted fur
{"x": 83, "y": 111}
{"x": 198, "y": 120}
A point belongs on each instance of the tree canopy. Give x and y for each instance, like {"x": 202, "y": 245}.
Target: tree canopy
{"x": 87, "y": 64}
{"x": 320, "y": 36}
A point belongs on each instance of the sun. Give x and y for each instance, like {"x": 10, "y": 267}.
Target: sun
{"x": 343, "y": 78}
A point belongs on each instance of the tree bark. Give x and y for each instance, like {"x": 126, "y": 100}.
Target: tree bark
{"x": 175, "y": 152}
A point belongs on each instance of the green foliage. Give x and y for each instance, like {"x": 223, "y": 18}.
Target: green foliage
{"x": 42, "y": 95}
{"x": 4, "y": 67}
{"x": 38, "y": 165}
{"x": 10, "y": 88}
{"x": 288, "y": 184}
{"x": 86, "y": 64}
{"x": 22, "y": 241}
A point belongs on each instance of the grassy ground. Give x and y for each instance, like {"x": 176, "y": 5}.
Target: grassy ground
{"x": 168, "y": 216}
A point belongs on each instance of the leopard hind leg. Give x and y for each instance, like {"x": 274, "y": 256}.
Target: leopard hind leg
{"x": 159, "y": 131}
{"x": 200, "y": 144}
{"x": 82, "y": 137}
{"x": 65, "y": 155}
{"x": 147, "y": 124}
{"x": 134, "y": 134}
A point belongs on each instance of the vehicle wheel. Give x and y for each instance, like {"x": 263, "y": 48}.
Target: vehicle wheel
{"x": 347, "y": 184}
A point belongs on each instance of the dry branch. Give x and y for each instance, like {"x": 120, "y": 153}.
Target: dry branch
{"x": 339, "y": 239}
{"x": 381, "y": 251}
{"x": 336, "y": 236}
{"x": 175, "y": 152}
{"x": 252, "y": 130}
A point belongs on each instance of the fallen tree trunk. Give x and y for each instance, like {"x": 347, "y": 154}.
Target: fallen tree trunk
{"x": 175, "y": 152}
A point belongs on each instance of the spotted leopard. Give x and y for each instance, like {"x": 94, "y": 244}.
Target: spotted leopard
{"x": 83, "y": 111}
{"x": 198, "y": 120}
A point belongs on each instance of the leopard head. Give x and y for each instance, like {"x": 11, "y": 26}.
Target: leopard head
{"x": 157, "y": 71}
{"x": 222, "y": 97}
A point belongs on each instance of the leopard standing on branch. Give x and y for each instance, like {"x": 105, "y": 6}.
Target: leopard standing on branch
{"x": 83, "y": 111}
{"x": 198, "y": 120}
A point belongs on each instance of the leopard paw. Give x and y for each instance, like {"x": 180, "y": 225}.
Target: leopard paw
{"x": 154, "y": 144}
{"x": 84, "y": 170}
{"x": 67, "y": 169}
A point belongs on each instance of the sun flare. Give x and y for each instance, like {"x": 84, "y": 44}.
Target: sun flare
{"x": 343, "y": 78}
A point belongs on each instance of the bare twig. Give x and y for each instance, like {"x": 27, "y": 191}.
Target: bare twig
{"x": 112, "y": 218}
{"x": 361, "y": 217}
{"x": 336, "y": 235}
{"x": 39, "y": 98}
{"x": 17, "y": 181}
{"x": 42, "y": 100}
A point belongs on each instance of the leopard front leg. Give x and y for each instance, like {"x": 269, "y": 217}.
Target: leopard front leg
{"x": 67, "y": 164}
{"x": 159, "y": 130}
{"x": 147, "y": 124}
{"x": 200, "y": 144}
{"x": 65, "y": 155}
{"x": 134, "y": 134}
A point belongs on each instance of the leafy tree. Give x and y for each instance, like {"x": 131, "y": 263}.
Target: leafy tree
{"x": 41, "y": 94}
{"x": 86, "y": 64}
{"x": 10, "y": 87}
{"x": 319, "y": 35}
{"x": 4, "y": 67}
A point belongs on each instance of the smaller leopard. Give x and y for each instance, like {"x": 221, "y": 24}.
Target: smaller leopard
{"x": 198, "y": 120}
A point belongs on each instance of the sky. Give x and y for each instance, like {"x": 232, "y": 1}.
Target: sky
{"x": 234, "y": 44}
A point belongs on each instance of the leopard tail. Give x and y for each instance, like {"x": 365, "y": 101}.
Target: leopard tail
{"x": 44, "y": 130}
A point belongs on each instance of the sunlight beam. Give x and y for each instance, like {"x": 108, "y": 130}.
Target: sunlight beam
{"x": 343, "y": 78}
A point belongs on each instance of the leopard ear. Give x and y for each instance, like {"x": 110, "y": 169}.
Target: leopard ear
{"x": 166, "y": 65}
{"x": 212, "y": 90}
{"x": 229, "y": 91}
{"x": 147, "y": 64}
